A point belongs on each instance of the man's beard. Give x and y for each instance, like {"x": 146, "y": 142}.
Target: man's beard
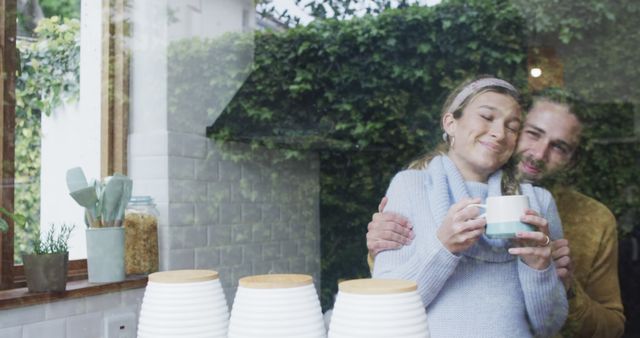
{"x": 538, "y": 164}
{"x": 558, "y": 177}
{"x": 545, "y": 178}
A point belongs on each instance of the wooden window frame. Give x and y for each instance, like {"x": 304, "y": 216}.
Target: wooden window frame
{"x": 115, "y": 83}
{"x": 7, "y": 119}
{"x": 114, "y": 122}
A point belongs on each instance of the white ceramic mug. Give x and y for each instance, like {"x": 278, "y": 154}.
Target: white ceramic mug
{"x": 503, "y": 215}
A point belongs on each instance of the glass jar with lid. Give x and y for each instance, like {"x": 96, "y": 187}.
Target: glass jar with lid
{"x": 141, "y": 236}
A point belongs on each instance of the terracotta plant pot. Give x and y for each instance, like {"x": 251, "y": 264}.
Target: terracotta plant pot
{"x": 46, "y": 273}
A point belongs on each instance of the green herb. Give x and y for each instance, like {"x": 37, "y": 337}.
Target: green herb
{"x": 54, "y": 242}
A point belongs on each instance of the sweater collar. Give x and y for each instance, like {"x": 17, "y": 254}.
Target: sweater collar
{"x": 446, "y": 186}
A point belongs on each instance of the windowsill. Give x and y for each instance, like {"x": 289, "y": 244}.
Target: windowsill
{"x": 15, "y": 298}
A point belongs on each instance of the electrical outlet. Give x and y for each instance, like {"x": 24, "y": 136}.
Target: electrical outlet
{"x": 120, "y": 325}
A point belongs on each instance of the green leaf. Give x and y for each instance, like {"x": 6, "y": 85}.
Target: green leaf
{"x": 304, "y": 46}
{"x": 4, "y": 226}
{"x": 424, "y": 48}
{"x": 19, "y": 219}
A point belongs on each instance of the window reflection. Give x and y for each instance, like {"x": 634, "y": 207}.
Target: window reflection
{"x": 267, "y": 139}
{"x": 47, "y": 94}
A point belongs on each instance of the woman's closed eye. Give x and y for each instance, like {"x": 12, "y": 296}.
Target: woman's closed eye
{"x": 514, "y": 127}
{"x": 487, "y": 117}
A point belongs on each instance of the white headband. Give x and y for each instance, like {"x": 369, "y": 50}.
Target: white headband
{"x": 474, "y": 87}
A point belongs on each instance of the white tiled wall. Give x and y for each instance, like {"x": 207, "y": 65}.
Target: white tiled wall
{"x": 239, "y": 217}
{"x": 73, "y": 318}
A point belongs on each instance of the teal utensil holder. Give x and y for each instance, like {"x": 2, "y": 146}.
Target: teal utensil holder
{"x": 105, "y": 254}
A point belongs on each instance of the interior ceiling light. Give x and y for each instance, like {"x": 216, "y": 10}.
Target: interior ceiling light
{"x": 536, "y": 72}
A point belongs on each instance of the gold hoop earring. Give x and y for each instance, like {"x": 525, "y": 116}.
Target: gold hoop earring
{"x": 453, "y": 141}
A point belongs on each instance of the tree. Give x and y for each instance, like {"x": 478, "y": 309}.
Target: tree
{"x": 331, "y": 9}
{"x": 30, "y": 12}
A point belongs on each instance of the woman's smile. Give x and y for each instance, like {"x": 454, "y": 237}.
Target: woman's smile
{"x": 496, "y": 148}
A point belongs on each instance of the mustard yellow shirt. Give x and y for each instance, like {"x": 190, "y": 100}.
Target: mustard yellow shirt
{"x": 596, "y": 309}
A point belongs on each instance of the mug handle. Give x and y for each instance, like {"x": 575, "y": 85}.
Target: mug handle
{"x": 483, "y": 206}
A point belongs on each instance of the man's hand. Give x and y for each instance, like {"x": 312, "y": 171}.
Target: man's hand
{"x": 387, "y": 231}
{"x": 562, "y": 259}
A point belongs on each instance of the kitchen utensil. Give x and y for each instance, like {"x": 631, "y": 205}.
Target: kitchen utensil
{"x": 76, "y": 179}
{"x": 115, "y": 196}
{"x": 87, "y": 198}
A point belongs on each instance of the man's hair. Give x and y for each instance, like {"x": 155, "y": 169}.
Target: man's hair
{"x": 562, "y": 96}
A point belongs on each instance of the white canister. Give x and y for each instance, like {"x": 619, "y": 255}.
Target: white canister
{"x": 183, "y": 303}
{"x": 378, "y": 308}
{"x": 278, "y": 305}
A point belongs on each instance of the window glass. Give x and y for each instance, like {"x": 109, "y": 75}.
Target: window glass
{"x": 268, "y": 131}
{"x": 53, "y": 132}
{"x": 361, "y": 85}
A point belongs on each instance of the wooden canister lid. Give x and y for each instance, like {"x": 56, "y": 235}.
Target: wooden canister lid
{"x": 275, "y": 281}
{"x": 183, "y": 276}
{"x": 370, "y": 286}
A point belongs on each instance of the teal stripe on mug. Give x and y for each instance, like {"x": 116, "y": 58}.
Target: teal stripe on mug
{"x": 507, "y": 229}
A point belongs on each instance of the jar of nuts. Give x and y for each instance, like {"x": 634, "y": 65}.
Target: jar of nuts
{"x": 141, "y": 236}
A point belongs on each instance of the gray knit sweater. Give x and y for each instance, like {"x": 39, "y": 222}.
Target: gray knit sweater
{"x": 484, "y": 291}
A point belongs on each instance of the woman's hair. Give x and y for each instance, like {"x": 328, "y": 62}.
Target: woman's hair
{"x": 455, "y": 104}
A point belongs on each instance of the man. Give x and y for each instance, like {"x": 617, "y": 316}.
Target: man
{"x": 589, "y": 270}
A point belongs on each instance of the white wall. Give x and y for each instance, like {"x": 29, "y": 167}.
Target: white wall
{"x": 209, "y": 18}
{"x": 73, "y": 318}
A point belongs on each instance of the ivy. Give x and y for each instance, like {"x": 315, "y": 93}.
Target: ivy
{"x": 48, "y": 77}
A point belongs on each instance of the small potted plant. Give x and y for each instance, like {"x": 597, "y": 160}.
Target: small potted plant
{"x": 46, "y": 268}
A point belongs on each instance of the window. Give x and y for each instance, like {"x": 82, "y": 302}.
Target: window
{"x": 89, "y": 132}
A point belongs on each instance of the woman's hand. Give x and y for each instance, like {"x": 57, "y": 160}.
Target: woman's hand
{"x": 461, "y": 228}
{"x": 534, "y": 247}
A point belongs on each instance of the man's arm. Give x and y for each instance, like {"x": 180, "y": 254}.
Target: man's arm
{"x": 595, "y": 307}
{"x": 387, "y": 231}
